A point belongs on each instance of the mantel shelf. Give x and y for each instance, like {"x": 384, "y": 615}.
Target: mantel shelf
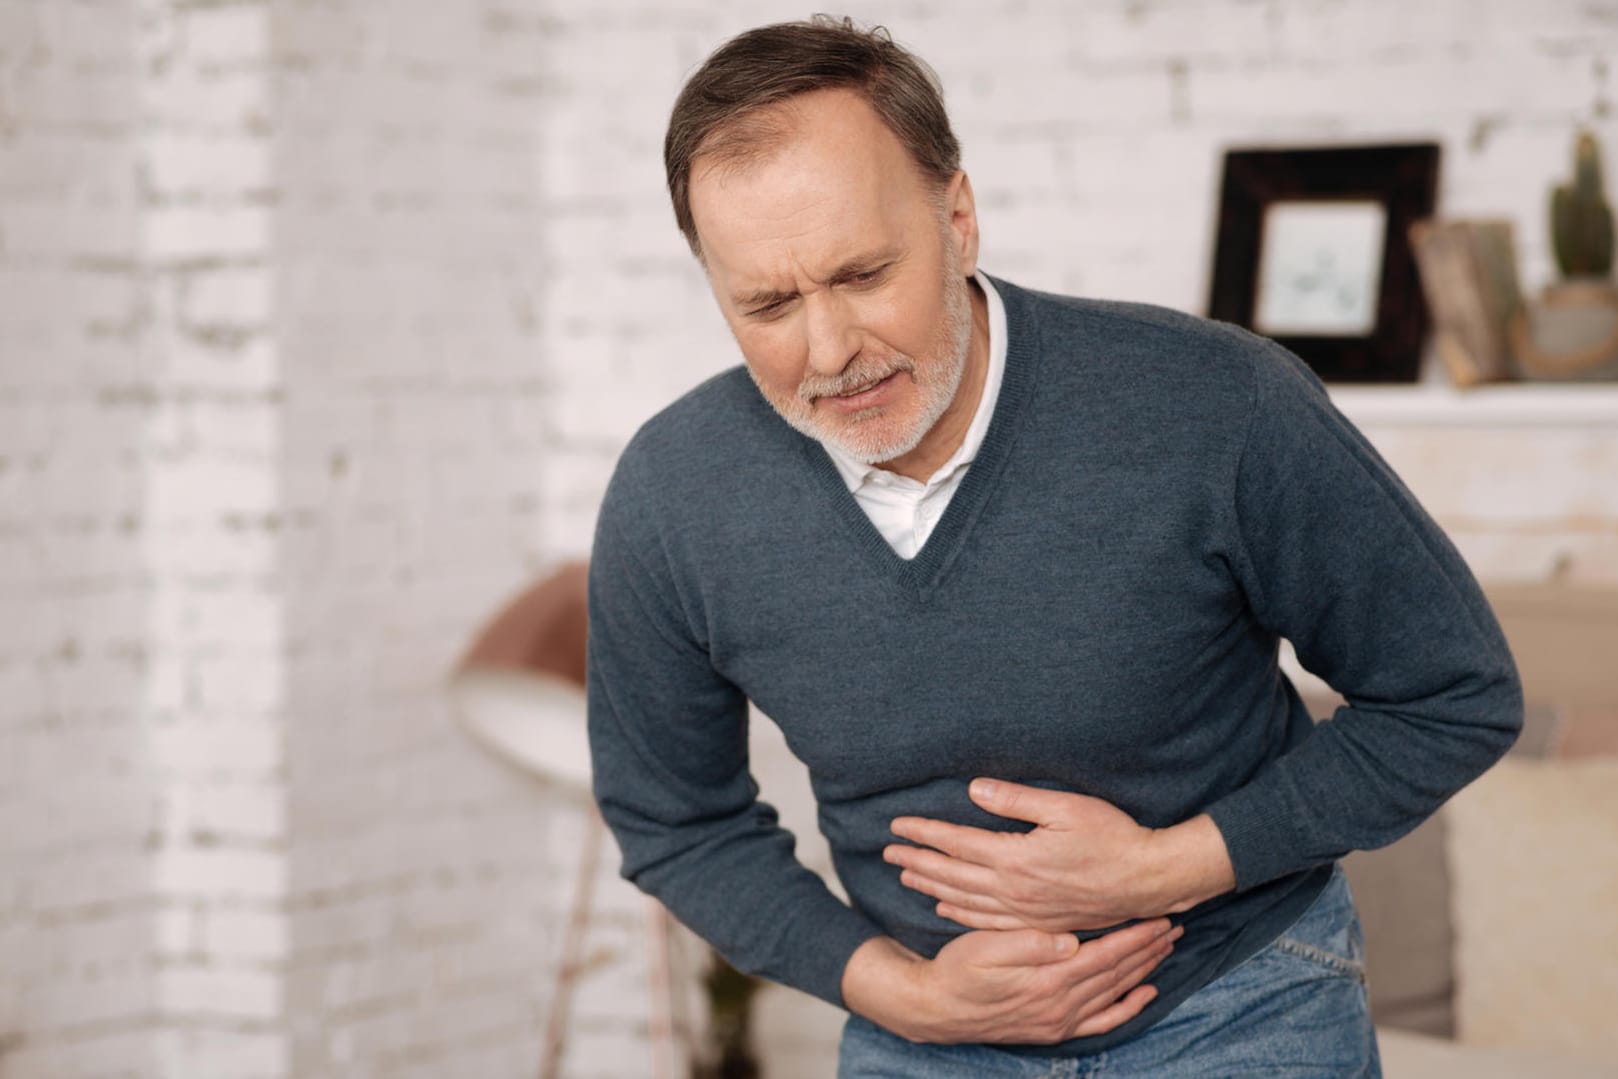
{"x": 1542, "y": 404}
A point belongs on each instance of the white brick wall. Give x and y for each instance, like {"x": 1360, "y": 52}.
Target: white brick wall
{"x": 274, "y": 436}
{"x": 320, "y": 329}
{"x": 213, "y": 499}
{"x": 77, "y": 789}
{"x": 409, "y": 268}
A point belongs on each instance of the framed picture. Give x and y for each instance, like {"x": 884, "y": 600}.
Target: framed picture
{"x": 1312, "y": 249}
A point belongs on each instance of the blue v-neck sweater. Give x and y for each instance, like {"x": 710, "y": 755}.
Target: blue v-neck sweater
{"x": 1159, "y": 499}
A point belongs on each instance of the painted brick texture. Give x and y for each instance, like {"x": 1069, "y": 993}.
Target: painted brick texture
{"x": 77, "y": 789}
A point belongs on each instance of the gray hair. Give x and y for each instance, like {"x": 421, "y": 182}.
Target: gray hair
{"x": 721, "y": 110}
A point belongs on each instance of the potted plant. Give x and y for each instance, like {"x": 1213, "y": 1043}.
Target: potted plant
{"x": 1572, "y": 332}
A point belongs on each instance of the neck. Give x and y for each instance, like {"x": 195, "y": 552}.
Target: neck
{"x": 946, "y": 436}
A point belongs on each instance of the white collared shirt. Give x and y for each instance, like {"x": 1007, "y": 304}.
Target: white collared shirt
{"x": 901, "y": 508}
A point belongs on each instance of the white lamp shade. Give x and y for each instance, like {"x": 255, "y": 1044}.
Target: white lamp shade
{"x": 533, "y": 719}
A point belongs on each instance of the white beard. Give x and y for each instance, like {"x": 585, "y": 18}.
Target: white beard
{"x": 866, "y": 436}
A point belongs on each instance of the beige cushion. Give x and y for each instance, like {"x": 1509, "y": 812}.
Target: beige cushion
{"x": 1562, "y": 637}
{"x": 1533, "y": 861}
{"x": 1402, "y": 892}
{"x": 1415, "y": 1056}
{"x": 1586, "y": 731}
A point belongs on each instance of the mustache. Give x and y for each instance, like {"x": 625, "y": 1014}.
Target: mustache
{"x": 855, "y": 376}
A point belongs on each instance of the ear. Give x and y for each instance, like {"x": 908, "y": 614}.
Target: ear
{"x": 963, "y": 220}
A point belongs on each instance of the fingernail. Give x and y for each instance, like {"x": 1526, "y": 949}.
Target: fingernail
{"x": 984, "y": 789}
{"x": 1067, "y": 944}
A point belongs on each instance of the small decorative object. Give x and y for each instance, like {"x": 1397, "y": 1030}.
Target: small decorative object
{"x": 1313, "y": 250}
{"x": 730, "y": 1024}
{"x": 1572, "y": 332}
{"x": 1581, "y": 220}
{"x": 1469, "y": 276}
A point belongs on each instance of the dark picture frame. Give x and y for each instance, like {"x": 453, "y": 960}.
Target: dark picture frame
{"x": 1345, "y": 299}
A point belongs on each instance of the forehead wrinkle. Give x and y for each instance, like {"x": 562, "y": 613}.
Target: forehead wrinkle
{"x": 794, "y": 249}
{"x": 799, "y": 274}
{"x": 769, "y": 224}
{"x": 839, "y": 266}
{"x": 808, "y": 216}
{"x": 841, "y": 262}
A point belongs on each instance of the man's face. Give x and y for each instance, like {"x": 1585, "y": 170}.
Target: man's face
{"x": 843, "y": 275}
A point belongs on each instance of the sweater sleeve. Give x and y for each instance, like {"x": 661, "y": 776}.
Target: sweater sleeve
{"x": 1337, "y": 556}
{"x": 668, "y": 740}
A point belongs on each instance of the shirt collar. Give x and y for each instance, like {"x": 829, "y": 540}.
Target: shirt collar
{"x": 857, "y": 473}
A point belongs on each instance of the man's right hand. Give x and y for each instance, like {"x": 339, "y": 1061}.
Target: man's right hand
{"x": 1020, "y": 985}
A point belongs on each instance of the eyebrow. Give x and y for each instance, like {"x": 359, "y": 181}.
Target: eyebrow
{"x": 764, "y": 297}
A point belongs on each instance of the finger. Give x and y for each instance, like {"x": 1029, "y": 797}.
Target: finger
{"x": 1101, "y": 992}
{"x": 964, "y": 876}
{"x": 1109, "y": 985}
{"x": 973, "y": 919}
{"x": 1105, "y": 983}
{"x": 1016, "y": 948}
{"x": 1020, "y": 802}
{"x": 948, "y": 893}
{"x": 1107, "y": 951}
{"x": 1116, "y": 1015}
{"x": 971, "y": 844}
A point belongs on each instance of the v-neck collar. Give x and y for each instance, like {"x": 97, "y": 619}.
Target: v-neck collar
{"x": 859, "y": 476}
{"x": 922, "y": 574}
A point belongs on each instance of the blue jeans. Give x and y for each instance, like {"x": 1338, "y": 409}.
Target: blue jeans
{"x": 1295, "y": 1009}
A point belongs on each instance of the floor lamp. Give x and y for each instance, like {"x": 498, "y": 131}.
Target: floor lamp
{"x": 520, "y": 692}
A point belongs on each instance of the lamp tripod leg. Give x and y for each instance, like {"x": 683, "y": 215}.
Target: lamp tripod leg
{"x": 567, "y": 972}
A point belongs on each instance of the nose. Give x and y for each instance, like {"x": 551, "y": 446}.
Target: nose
{"x": 833, "y": 338}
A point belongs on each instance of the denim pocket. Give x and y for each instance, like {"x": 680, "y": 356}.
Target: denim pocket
{"x": 1328, "y": 935}
{"x": 1337, "y": 964}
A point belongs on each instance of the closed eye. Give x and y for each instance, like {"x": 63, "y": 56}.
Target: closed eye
{"x": 866, "y": 277}
{"x": 770, "y": 311}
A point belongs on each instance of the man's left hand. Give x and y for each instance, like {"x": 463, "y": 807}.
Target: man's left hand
{"x": 1085, "y": 865}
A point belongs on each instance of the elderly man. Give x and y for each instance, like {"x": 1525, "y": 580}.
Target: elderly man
{"x": 1010, "y": 571}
